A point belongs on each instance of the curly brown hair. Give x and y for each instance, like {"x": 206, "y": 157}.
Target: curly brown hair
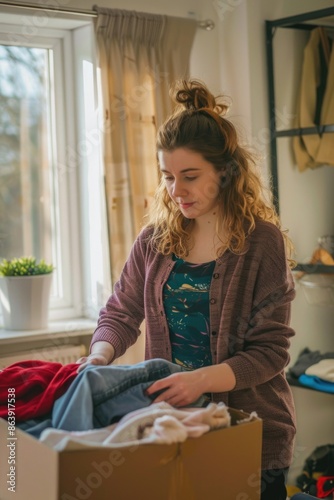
{"x": 198, "y": 124}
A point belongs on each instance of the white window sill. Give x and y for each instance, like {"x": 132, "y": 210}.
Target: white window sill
{"x": 71, "y": 328}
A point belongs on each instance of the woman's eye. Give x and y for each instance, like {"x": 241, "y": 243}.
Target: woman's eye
{"x": 170, "y": 179}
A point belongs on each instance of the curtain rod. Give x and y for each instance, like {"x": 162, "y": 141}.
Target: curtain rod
{"x": 207, "y": 24}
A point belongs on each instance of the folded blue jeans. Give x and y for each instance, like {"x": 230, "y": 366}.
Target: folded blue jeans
{"x": 102, "y": 395}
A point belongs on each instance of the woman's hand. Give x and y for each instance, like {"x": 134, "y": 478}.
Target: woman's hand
{"x": 102, "y": 354}
{"x": 92, "y": 359}
{"x": 179, "y": 389}
{"x": 182, "y": 389}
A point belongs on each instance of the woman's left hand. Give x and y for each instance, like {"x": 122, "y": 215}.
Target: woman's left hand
{"x": 179, "y": 389}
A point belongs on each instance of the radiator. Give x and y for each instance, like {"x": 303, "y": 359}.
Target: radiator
{"x": 62, "y": 354}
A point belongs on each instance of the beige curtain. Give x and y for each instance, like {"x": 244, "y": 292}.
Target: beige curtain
{"x": 139, "y": 56}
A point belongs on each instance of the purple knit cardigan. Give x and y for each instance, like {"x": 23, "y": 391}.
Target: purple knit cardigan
{"x": 250, "y": 302}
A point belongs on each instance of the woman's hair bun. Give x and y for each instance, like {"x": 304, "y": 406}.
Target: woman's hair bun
{"x": 194, "y": 95}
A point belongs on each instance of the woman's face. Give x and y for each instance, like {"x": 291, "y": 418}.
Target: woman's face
{"x": 191, "y": 181}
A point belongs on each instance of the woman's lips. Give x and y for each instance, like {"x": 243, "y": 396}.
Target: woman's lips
{"x": 186, "y": 205}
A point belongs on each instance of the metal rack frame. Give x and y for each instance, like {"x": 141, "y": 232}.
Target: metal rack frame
{"x": 295, "y": 22}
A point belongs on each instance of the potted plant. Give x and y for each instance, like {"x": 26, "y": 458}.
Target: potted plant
{"x": 25, "y": 287}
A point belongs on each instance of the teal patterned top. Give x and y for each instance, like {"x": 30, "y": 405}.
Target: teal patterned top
{"x": 186, "y": 302}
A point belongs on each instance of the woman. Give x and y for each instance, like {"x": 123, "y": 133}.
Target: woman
{"x": 210, "y": 275}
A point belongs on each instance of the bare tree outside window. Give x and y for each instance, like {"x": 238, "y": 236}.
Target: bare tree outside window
{"x": 26, "y": 187}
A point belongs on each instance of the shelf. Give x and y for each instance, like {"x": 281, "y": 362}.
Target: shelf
{"x": 292, "y": 21}
{"x": 319, "y": 130}
{"x": 294, "y": 383}
{"x": 314, "y": 268}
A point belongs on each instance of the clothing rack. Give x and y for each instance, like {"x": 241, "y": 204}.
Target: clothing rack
{"x": 299, "y": 21}
{"x": 294, "y": 22}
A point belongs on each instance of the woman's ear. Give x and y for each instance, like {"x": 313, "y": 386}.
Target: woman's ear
{"x": 230, "y": 170}
{"x": 223, "y": 177}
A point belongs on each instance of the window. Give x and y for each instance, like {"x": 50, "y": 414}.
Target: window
{"x": 27, "y": 197}
{"x": 51, "y": 189}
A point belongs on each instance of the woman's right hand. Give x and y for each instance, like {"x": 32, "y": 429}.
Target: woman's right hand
{"x": 92, "y": 359}
{"x": 102, "y": 354}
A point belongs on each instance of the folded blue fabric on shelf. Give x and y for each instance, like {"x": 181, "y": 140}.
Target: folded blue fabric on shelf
{"x": 316, "y": 383}
{"x": 302, "y": 496}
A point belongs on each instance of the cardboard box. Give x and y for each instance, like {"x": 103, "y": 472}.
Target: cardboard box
{"x": 223, "y": 464}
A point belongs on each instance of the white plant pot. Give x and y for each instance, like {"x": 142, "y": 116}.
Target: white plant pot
{"x": 25, "y": 301}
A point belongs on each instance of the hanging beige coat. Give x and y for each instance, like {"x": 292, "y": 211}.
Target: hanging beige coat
{"x": 316, "y": 103}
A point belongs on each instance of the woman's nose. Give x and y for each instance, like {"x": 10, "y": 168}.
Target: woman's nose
{"x": 178, "y": 189}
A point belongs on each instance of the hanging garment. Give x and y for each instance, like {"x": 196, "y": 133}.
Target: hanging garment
{"x": 316, "y": 103}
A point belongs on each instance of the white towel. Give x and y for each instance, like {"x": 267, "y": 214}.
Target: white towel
{"x": 324, "y": 369}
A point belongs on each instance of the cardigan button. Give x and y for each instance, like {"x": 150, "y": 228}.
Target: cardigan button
{"x": 213, "y": 301}
{"x": 216, "y": 276}
{"x": 214, "y": 333}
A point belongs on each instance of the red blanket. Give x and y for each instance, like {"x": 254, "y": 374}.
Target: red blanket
{"x": 37, "y": 385}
